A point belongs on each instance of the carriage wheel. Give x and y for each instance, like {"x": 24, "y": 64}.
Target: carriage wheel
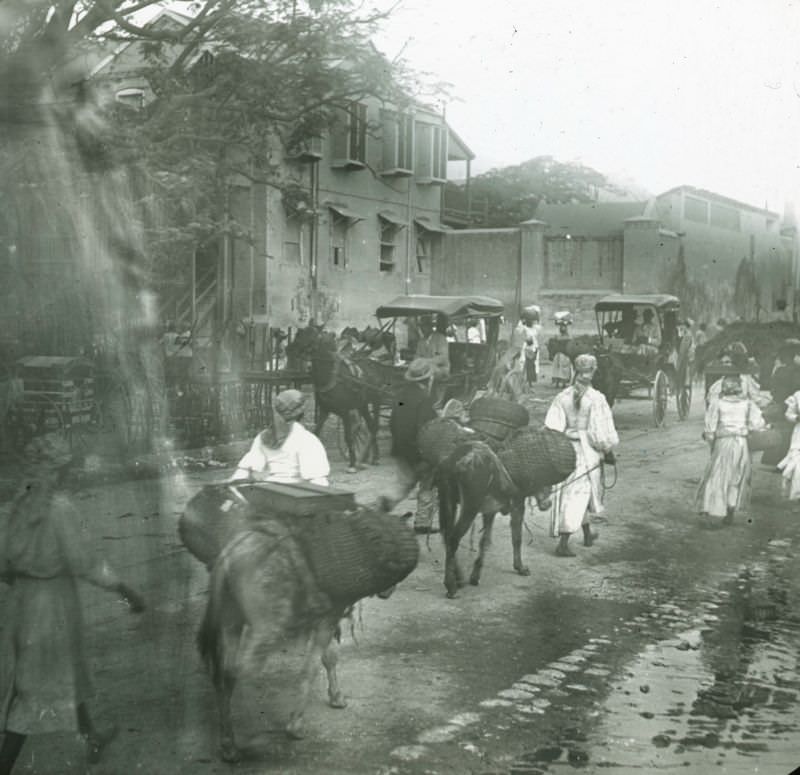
{"x": 683, "y": 398}
{"x": 361, "y": 437}
{"x": 660, "y": 394}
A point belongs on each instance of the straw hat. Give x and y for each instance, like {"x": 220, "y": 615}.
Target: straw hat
{"x": 419, "y": 370}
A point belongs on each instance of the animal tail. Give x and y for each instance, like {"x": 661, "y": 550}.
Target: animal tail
{"x": 210, "y": 632}
{"x": 480, "y": 458}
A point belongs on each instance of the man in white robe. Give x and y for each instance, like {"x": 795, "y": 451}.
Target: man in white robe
{"x": 286, "y": 453}
{"x": 583, "y": 414}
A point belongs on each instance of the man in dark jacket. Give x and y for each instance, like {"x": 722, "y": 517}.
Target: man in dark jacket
{"x": 413, "y": 407}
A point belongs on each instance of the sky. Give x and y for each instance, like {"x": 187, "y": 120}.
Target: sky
{"x": 689, "y": 92}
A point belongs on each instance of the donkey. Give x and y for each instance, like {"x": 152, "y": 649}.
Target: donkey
{"x": 473, "y": 481}
{"x": 340, "y": 387}
{"x": 268, "y": 588}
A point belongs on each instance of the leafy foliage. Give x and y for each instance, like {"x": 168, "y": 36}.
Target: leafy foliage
{"x": 513, "y": 193}
{"x": 229, "y": 87}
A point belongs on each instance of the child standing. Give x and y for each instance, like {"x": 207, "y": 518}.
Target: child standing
{"x": 725, "y": 487}
{"x": 790, "y": 465}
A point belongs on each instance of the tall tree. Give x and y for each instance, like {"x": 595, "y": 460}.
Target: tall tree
{"x": 127, "y": 192}
{"x": 513, "y": 193}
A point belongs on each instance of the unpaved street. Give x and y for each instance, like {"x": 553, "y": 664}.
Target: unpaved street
{"x": 665, "y": 647}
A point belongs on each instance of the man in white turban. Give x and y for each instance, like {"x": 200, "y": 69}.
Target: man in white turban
{"x": 583, "y": 414}
{"x": 287, "y": 452}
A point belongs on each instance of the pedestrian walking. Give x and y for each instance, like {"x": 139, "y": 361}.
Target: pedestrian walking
{"x": 583, "y": 414}
{"x": 412, "y": 408}
{"x": 526, "y": 338}
{"x": 789, "y": 466}
{"x": 287, "y": 452}
{"x": 561, "y": 368}
{"x": 725, "y": 487}
{"x": 45, "y": 683}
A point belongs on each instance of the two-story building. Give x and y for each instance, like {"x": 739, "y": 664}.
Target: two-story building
{"x": 353, "y": 217}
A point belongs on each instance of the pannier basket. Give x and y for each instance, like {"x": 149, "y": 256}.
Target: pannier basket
{"x": 537, "y": 458}
{"x": 356, "y": 554}
{"x": 497, "y": 417}
{"x": 353, "y": 553}
{"x": 438, "y": 439}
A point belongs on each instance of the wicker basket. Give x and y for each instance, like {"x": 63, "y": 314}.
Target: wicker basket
{"x": 211, "y": 519}
{"x": 356, "y": 554}
{"x": 353, "y": 554}
{"x": 497, "y": 418}
{"x": 438, "y": 440}
{"x": 758, "y": 441}
{"x": 536, "y": 458}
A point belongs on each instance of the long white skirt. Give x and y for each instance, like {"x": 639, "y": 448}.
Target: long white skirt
{"x": 726, "y": 482}
{"x": 578, "y": 497}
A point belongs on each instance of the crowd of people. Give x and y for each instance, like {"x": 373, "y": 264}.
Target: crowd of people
{"x": 45, "y": 681}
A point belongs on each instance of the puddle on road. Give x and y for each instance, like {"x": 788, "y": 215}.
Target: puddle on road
{"x": 721, "y": 694}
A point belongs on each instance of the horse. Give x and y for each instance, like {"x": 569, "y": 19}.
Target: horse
{"x": 472, "y": 481}
{"x": 269, "y": 587}
{"x": 340, "y": 387}
{"x": 371, "y": 341}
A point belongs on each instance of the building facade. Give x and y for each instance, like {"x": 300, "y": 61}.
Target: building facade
{"x": 721, "y": 257}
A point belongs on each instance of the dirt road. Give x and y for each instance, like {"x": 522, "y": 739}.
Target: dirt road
{"x": 663, "y": 646}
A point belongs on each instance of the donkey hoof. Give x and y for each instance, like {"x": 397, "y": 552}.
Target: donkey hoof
{"x": 523, "y": 570}
{"x": 452, "y": 594}
{"x": 294, "y": 729}
{"x": 351, "y": 470}
{"x": 230, "y": 753}
{"x": 337, "y": 700}
{"x": 474, "y": 580}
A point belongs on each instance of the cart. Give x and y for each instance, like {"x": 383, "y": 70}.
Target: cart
{"x": 635, "y": 355}
{"x": 471, "y": 362}
{"x": 56, "y": 394}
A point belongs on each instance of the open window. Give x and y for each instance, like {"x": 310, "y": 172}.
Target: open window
{"x": 398, "y": 144}
{"x": 428, "y": 234}
{"x": 349, "y": 137}
{"x": 390, "y": 228}
{"x": 341, "y": 220}
{"x": 431, "y": 152}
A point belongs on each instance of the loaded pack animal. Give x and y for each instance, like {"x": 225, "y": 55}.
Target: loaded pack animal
{"x": 474, "y": 478}
{"x": 278, "y": 577}
{"x": 342, "y": 386}
{"x": 609, "y": 370}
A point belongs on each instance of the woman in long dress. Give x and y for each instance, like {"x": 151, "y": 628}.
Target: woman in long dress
{"x": 45, "y": 682}
{"x": 725, "y": 488}
{"x": 583, "y": 414}
{"x": 789, "y": 466}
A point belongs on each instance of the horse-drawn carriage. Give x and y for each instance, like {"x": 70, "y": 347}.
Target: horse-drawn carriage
{"x": 358, "y": 387}
{"x": 472, "y": 356}
{"x": 638, "y": 347}
{"x": 51, "y": 394}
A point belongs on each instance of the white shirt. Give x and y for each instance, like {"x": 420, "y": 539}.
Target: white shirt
{"x": 301, "y": 458}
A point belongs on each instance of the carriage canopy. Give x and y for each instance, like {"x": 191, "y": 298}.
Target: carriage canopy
{"x": 451, "y": 306}
{"x": 661, "y": 301}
